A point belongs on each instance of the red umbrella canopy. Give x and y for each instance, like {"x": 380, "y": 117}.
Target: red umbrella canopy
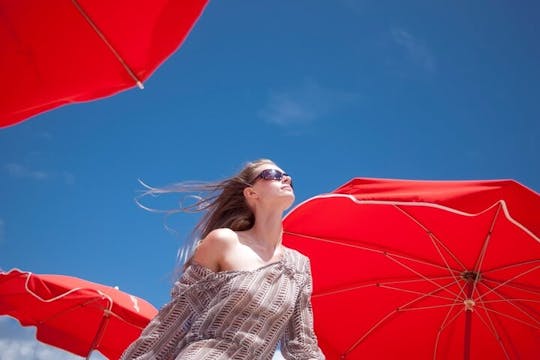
{"x": 76, "y": 315}
{"x": 423, "y": 269}
{"x": 64, "y": 51}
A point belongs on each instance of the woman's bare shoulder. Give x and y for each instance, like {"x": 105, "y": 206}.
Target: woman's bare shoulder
{"x": 211, "y": 249}
{"x": 222, "y": 237}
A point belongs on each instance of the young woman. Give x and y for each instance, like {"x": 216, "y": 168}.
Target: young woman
{"x": 242, "y": 292}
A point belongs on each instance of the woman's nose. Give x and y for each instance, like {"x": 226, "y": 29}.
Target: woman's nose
{"x": 287, "y": 180}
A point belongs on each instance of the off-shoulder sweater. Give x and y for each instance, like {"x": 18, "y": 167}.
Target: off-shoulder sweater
{"x": 235, "y": 315}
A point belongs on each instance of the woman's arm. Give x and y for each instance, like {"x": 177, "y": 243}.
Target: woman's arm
{"x": 161, "y": 336}
{"x": 299, "y": 341}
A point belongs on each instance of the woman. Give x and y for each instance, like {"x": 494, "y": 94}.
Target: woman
{"x": 242, "y": 292}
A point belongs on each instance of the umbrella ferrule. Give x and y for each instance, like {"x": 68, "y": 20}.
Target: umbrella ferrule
{"x": 469, "y": 304}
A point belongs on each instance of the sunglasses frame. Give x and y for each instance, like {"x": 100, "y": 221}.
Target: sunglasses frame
{"x": 272, "y": 174}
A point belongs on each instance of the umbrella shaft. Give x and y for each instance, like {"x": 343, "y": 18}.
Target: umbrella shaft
{"x": 468, "y": 323}
{"x": 467, "y": 344}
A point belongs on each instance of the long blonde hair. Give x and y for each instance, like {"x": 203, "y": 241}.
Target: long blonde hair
{"x": 222, "y": 202}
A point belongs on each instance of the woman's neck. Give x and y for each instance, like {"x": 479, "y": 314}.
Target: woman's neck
{"x": 267, "y": 230}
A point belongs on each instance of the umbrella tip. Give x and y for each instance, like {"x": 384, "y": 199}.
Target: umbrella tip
{"x": 140, "y": 85}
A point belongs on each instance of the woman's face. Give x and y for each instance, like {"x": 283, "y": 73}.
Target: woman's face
{"x": 272, "y": 184}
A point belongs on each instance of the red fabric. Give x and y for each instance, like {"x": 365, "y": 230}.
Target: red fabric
{"x": 52, "y": 56}
{"x": 68, "y": 312}
{"x": 389, "y": 259}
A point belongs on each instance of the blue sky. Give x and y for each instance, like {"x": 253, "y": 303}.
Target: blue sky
{"x": 329, "y": 90}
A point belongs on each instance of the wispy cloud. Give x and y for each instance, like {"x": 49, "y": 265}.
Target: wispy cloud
{"x": 303, "y": 105}
{"x": 31, "y": 350}
{"x": 20, "y": 171}
{"x": 24, "y": 172}
{"x": 17, "y": 342}
{"x": 415, "y": 50}
{"x": 45, "y": 135}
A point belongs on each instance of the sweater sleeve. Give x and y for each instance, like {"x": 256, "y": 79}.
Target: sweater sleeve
{"x": 299, "y": 341}
{"x": 160, "y": 338}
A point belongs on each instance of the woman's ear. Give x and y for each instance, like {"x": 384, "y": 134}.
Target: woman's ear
{"x": 250, "y": 193}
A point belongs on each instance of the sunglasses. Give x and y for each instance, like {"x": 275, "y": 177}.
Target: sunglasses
{"x": 272, "y": 174}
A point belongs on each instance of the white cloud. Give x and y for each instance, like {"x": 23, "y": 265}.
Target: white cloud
{"x": 68, "y": 177}
{"x": 303, "y": 105}
{"x": 31, "y": 350}
{"x": 45, "y": 135}
{"x": 416, "y": 51}
{"x": 21, "y": 171}
{"x": 18, "y": 342}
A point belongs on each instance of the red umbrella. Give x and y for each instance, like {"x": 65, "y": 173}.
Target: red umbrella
{"x": 73, "y": 314}
{"x": 423, "y": 269}
{"x": 63, "y": 51}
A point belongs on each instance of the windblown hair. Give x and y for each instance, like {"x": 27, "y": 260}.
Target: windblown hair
{"x": 222, "y": 202}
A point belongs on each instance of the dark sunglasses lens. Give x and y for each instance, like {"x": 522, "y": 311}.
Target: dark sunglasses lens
{"x": 271, "y": 174}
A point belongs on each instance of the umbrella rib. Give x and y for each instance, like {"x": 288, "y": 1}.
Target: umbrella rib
{"x": 378, "y": 323}
{"x": 491, "y": 327}
{"x": 483, "y": 252}
{"x": 369, "y": 331}
{"x": 431, "y": 307}
{"x": 340, "y": 290}
{"x": 509, "y": 280}
{"x": 426, "y": 229}
{"x": 346, "y": 288}
{"x": 437, "y": 243}
{"x": 421, "y": 275}
{"x": 99, "y": 334}
{"x": 391, "y": 256}
{"x": 510, "y": 317}
{"x": 425, "y": 204}
{"x": 510, "y": 299}
{"x": 510, "y": 266}
{"x": 106, "y": 41}
{"x": 444, "y": 324}
{"x": 27, "y": 288}
{"x": 512, "y": 303}
{"x": 124, "y": 320}
{"x": 375, "y": 250}
{"x": 417, "y": 292}
{"x": 68, "y": 310}
{"x": 434, "y": 239}
{"x": 513, "y": 286}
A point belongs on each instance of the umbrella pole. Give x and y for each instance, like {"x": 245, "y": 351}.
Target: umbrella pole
{"x": 99, "y": 334}
{"x": 469, "y": 303}
{"x": 467, "y": 345}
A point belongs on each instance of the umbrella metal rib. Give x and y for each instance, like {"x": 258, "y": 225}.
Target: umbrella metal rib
{"x": 385, "y": 253}
{"x": 106, "y": 42}
{"x": 509, "y": 280}
{"x": 474, "y": 278}
{"x": 513, "y": 304}
{"x": 440, "y": 245}
{"x": 383, "y": 319}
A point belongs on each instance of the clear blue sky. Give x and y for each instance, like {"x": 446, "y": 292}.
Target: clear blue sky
{"x": 328, "y": 89}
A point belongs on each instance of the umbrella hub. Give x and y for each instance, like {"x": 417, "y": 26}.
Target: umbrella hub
{"x": 470, "y": 276}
